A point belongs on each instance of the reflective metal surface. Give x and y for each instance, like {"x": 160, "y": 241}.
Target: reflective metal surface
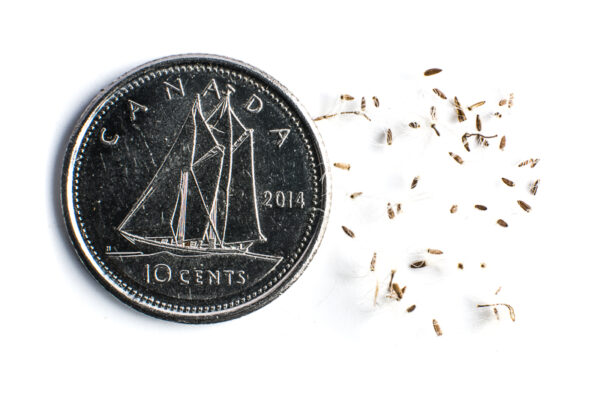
{"x": 195, "y": 188}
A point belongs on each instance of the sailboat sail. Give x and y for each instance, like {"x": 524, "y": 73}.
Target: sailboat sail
{"x": 203, "y": 194}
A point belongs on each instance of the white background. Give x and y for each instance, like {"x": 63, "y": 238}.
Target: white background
{"x": 64, "y": 336}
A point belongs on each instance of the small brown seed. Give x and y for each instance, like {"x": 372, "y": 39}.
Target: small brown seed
{"x": 375, "y": 101}
{"x": 392, "y": 273}
{"x": 390, "y": 211}
{"x": 511, "y": 98}
{"x": 508, "y": 182}
{"x": 348, "y": 231}
{"x": 363, "y": 104}
{"x": 439, "y": 93}
{"x": 411, "y": 308}
{"x": 526, "y": 207}
{"x": 497, "y": 314}
{"x": 355, "y": 195}
{"x": 497, "y": 114}
{"x": 480, "y": 207}
{"x": 461, "y": 266}
{"x": 502, "y": 102}
{"x": 460, "y": 114}
{"x": 465, "y": 141}
{"x": 434, "y": 251}
{"x": 502, "y": 143}
{"x": 418, "y": 264}
{"x": 343, "y": 166}
{"x": 433, "y": 113}
{"x": 399, "y": 207}
{"x": 502, "y": 223}
{"x": 373, "y": 261}
{"x": 498, "y": 290}
{"x": 453, "y": 209}
{"x": 347, "y": 97}
{"x": 414, "y": 125}
{"x": 432, "y": 71}
{"x": 414, "y": 182}
{"x": 478, "y": 123}
{"x": 478, "y": 104}
{"x": 483, "y": 265}
{"x": 534, "y": 187}
{"x": 388, "y": 137}
{"x": 436, "y": 328}
{"x": 456, "y": 157}
{"x": 397, "y": 290}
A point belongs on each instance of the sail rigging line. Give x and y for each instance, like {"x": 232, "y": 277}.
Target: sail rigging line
{"x": 230, "y": 166}
{"x": 210, "y": 221}
{"x": 183, "y": 188}
{"x": 134, "y": 209}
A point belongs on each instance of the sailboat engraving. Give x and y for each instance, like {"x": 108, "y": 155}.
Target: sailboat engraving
{"x": 202, "y": 199}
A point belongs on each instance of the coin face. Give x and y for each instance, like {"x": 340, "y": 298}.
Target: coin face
{"x": 195, "y": 188}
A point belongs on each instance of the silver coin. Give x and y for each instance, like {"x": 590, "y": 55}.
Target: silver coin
{"x": 195, "y": 188}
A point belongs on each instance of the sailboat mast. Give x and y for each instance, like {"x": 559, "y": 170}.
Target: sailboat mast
{"x": 183, "y": 187}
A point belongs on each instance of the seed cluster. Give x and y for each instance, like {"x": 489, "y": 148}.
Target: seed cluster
{"x": 476, "y": 138}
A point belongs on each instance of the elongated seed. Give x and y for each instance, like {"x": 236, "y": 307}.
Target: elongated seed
{"x": 526, "y": 207}
{"x": 508, "y": 182}
{"x": 453, "y": 209}
{"x": 375, "y": 101}
{"x": 497, "y": 314}
{"x": 411, "y": 308}
{"x": 465, "y": 141}
{"x": 355, "y": 195}
{"x": 343, "y": 166}
{"x": 502, "y": 223}
{"x": 502, "y": 102}
{"x": 436, "y": 328}
{"x": 478, "y": 104}
{"x": 498, "y": 290}
{"x": 456, "y": 157}
{"x": 346, "y": 97}
{"x": 392, "y": 273}
{"x": 348, "y": 231}
{"x": 419, "y": 264}
{"x": 414, "y": 125}
{"x": 390, "y": 211}
{"x": 376, "y": 293}
{"x": 432, "y": 71}
{"x": 434, "y": 251}
{"x": 439, "y": 93}
{"x": 460, "y": 114}
{"x": 373, "y": 261}
{"x": 398, "y": 207}
{"x": 388, "y": 137}
{"x": 478, "y": 123}
{"x": 363, "y": 104}
{"x": 502, "y": 143}
{"x": 397, "y": 290}
{"x": 414, "y": 182}
{"x": 433, "y": 113}
{"x": 480, "y": 207}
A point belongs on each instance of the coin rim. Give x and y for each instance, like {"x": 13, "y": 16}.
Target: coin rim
{"x": 76, "y": 238}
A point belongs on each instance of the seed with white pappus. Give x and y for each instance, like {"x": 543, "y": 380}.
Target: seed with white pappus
{"x": 348, "y": 231}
